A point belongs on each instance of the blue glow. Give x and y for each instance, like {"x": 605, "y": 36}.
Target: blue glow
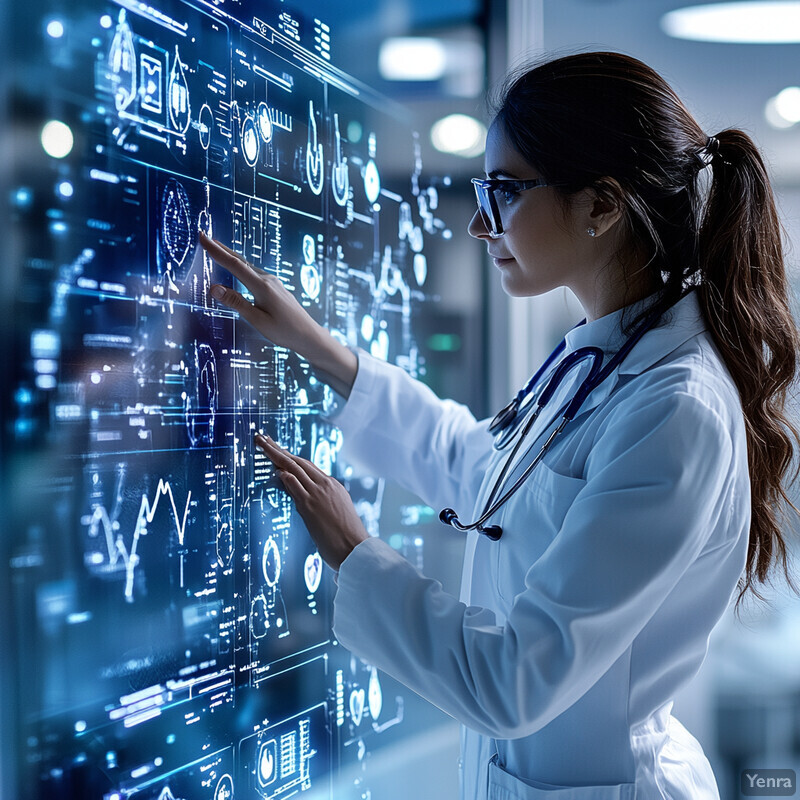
{"x": 23, "y": 197}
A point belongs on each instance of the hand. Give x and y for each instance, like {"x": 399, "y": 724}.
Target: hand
{"x": 276, "y": 314}
{"x": 274, "y": 311}
{"x": 322, "y": 502}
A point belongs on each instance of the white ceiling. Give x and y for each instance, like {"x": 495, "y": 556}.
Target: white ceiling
{"x": 724, "y": 85}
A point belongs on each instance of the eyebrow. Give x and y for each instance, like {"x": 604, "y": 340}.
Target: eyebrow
{"x": 497, "y": 172}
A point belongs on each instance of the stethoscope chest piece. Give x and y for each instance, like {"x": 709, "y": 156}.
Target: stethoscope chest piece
{"x": 504, "y": 417}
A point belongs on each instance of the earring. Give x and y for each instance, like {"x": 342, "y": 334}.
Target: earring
{"x": 592, "y": 232}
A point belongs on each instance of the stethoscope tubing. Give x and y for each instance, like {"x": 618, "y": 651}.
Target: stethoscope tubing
{"x": 505, "y": 424}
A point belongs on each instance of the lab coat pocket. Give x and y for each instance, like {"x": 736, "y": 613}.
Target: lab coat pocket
{"x": 504, "y": 786}
{"x": 530, "y": 521}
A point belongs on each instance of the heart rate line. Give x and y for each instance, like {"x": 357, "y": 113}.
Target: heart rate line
{"x": 119, "y": 555}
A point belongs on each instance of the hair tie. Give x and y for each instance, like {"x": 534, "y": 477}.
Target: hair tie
{"x": 707, "y": 155}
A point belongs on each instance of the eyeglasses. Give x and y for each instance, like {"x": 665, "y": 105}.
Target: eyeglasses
{"x": 487, "y": 202}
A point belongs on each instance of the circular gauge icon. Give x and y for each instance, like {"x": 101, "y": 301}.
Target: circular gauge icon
{"x": 205, "y": 125}
{"x": 420, "y": 268}
{"x": 271, "y": 563}
{"x": 310, "y": 280}
{"x": 309, "y": 249}
{"x": 250, "y": 144}
{"x": 312, "y": 572}
{"x": 224, "y": 790}
{"x": 264, "y": 122}
{"x": 372, "y": 181}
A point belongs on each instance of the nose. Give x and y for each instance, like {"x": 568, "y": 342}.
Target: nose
{"x": 477, "y": 227}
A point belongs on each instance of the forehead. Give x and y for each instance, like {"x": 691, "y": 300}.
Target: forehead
{"x": 501, "y": 157}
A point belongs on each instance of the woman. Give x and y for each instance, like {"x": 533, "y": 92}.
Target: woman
{"x": 622, "y": 548}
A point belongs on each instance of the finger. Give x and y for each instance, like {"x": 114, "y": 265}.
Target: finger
{"x": 294, "y": 488}
{"x": 230, "y": 260}
{"x": 237, "y": 302}
{"x": 309, "y": 467}
{"x": 284, "y": 460}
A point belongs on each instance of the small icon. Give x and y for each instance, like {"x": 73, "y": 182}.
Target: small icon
{"x": 264, "y": 122}
{"x": 250, "y": 143}
{"x": 205, "y": 125}
{"x": 310, "y": 279}
{"x": 357, "y": 698}
{"x": 271, "y": 562}
{"x": 224, "y": 790}
{"x": 122, "y": 59}
{"x": 420, "y": 268}
{"x": 178, "y": 94}
{"x": 375, "y": 695}
{"x": 314, "y": 159}
{"x": 340, "y": 179}
{"x": 313, "y": 572}
{"x": 150, "y": 70}
{"x": 372, "y": 181}
{"x": 267, "y": 762}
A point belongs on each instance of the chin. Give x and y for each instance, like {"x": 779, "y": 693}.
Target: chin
{"x": 514, "y": 287}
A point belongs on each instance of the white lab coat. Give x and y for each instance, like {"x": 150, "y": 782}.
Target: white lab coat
{"x": 619, "y": 554}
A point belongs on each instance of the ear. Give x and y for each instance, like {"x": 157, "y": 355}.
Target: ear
{"x": 606, "y": 207}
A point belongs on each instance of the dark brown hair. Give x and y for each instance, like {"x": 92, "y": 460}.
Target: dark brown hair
{"x": 581, "y": 119}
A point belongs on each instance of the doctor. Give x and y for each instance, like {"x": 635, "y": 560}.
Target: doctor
{"x": 622, "y": 547}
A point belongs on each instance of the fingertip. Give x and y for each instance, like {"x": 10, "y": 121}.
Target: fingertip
{"x": 217, "y": 291}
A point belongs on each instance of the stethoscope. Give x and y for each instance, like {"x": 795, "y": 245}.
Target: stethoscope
{"x": 509, "y": 420}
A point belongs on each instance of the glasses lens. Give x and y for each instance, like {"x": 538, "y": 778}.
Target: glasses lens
{"x": 486, "y": 207}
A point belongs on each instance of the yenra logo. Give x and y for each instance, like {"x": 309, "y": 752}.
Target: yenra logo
{"x": 768, "y": 782}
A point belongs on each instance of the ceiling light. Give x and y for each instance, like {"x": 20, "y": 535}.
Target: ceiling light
{"x": 742, "y": 22}
{"x": 787, "y": 103}
{"x": 460, "y": 135}
{"x": 412, "y": 58}
{"x": 783, "y": 110}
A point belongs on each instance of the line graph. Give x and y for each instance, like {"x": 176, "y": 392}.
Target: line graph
{"x": 118, "y": 551}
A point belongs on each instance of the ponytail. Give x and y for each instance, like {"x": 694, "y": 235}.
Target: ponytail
{"x": 586, "y": 117}
{"x": 743, "y": 293}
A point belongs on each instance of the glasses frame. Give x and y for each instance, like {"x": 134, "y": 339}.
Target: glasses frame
{"x": 487, "y": 204}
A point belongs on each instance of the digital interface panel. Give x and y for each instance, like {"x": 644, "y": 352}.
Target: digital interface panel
{"x": 171, "y": 622}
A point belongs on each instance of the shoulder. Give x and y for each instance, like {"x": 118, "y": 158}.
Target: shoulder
{"x": 692, "y": 379}
{"x": 683, "y": 408}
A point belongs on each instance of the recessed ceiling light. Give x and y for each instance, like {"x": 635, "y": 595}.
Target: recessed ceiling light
{"x": 742, "y": 22}
{"x": 412, "y": 58}
{"x": 460, "y": 135}
{"x": 783, "y": 110}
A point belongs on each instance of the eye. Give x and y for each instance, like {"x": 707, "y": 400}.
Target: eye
{"x": 508, "y": 193}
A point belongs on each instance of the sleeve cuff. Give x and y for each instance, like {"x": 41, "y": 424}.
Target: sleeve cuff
{"x": 352, "y": 412}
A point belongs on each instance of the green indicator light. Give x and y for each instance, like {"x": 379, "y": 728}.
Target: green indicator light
{"x": 444, "y": 342}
